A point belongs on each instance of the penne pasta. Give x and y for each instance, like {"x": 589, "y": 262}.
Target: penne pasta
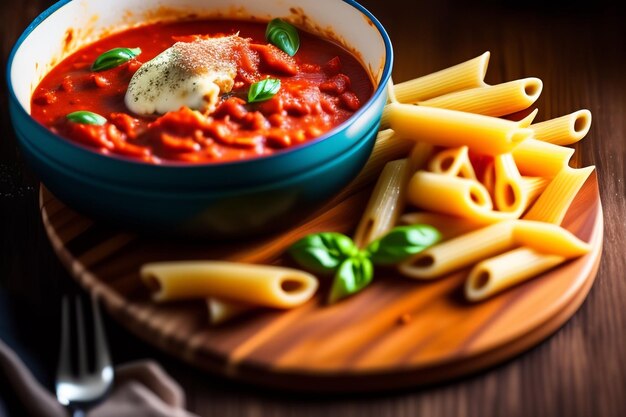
{"x": 548, "y": 238}
{"x": 541, "y": 159}
{"x": 269, "y": 286}
{"x": 526, "y": 170}
{"x": 509, "y": 192}
{"x": 466, "y": 75}
{"x": 384, "y": 118}
{"x": 388, "y": 147}
{"x": 450, "y": 128}
{"x": 449, "y": 195}
{"x": 454, "y": 162}
{"x": 455, "y": 196}
{"x": 459, "y": 252}
{"x": 221, "y": 311}
{"x": 491, "y": 100}
{"x": 496, "y": 274}
{"x": 526, "y": 121}
{"x": 533, "y": 187}
{"x": 419, "y": 156}
{"x": 489, "y": 178}
{"x": 448, "y": 226}
{"x": 462, "y": 251}
{"x": 385, "y": 204}
{"x": 554, "y": 202}
{"x": 391, "y": 92}
{"x": 565, "y": 130}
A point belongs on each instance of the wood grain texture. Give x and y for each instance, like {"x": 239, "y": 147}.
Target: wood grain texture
{"x": 576, "y": 48}
{"x": 360, "y": 344}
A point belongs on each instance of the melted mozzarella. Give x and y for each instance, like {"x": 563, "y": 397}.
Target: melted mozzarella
{"x": 191, "y": 74}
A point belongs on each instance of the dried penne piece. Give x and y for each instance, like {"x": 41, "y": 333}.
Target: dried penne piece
{"x": 553, "y": 203}
{"x": 391, "y": 91}
{"x": 387, "y": 148}
{"x": 466, "y": 75}
{"x": 509, "y": 192}
{"x": 548, "y": 238}
{"x": 384, "y": 118}
{"x": 459, "y": 252}
{"x": 261, "y": 285}
{"x": 453, "y": 161}
{"x": 221, "y": 311}
{"x": 565, "y": 130}
{"x": 449, "y": 195}
{"x": 496, "y": 274}
{"x": 419, "y": 156}
{"x": 533, "y": 187}
{"x": 491, "y": 100}
{"x": 489, "y": 178}
{"x": 489, "y": 241}
{"x": 541, "y": 159}
{"x": 465, "y": 198}
{"x": 385, "y": 204}
{"x": 526, "y": 121}
{"x": 450, "y": 128}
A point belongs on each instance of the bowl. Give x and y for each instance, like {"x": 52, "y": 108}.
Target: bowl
{"x": 217, "y": 200}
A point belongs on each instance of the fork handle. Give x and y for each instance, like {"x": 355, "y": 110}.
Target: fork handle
{"x": 77, "y": 412}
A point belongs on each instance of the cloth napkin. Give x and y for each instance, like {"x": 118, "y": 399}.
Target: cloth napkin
{"x": 141, "y": 389}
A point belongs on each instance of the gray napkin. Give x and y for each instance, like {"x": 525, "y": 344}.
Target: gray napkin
{"x": 142, "y": 389}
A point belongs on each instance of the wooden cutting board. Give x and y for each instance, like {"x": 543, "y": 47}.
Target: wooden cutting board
{"x": 397, "y": 333}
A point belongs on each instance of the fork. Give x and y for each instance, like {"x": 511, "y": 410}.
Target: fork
{"x": 80, "y": 390}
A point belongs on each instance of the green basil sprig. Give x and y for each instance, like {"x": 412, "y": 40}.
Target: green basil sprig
{"x": 322, "y": 253}
{"x": 86, "y": 117}
{"x": 263, "y": 90}
{"x": 114, "y": 57}
{"x": 283, "y": 35}
{"x": 402, "y": 242}
{"x": 354, "y": 274}
{"x": 353, "y": 269}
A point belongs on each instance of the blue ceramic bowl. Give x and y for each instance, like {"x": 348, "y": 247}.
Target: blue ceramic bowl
{"x": 228, "y": 199}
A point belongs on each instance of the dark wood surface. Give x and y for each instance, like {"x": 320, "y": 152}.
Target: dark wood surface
{"x": 578, "y": 50}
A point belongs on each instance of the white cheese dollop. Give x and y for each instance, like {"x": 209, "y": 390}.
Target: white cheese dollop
{"x": 191, "y": 74}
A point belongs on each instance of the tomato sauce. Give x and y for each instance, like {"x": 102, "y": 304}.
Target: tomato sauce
{"x": 321, "y": 87}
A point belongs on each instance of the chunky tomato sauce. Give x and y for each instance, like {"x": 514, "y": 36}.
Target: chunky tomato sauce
{"x": 321, "y": 86}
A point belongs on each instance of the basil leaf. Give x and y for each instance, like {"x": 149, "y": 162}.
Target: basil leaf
{"x": 322, "y": 252}
{"x": 86, "y": 117}
{"x": 114, "y": 57}
{"x": 283, "y": 35}
{"x": 354, "y": 274}
{"x": 263, "y": 90}
{"x": 402, "y": 242}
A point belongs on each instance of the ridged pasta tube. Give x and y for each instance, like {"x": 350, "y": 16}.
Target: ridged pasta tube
{"x": 491, "y": 100}
{"x": 450, "y": 128}
{"x": 261, "y": 285}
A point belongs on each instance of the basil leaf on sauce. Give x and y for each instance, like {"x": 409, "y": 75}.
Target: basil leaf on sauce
{"x": 86, "y": 117}
{"x": 402, "y": 242}
{"x": 322, "y": 252}
{"x": 283, "y": 35}
{"x": 354, "y": 274}
{"x": 263, "y": 90}
{"x": 114, "y": 57}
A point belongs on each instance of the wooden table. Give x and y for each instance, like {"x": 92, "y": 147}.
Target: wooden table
{"x": 577, "y": 50}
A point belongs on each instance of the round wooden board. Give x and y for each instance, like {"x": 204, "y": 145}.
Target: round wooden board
{"x": 357, "y": 345}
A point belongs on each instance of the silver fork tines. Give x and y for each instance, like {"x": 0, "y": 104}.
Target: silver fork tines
{"x": 84, "y": 388}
